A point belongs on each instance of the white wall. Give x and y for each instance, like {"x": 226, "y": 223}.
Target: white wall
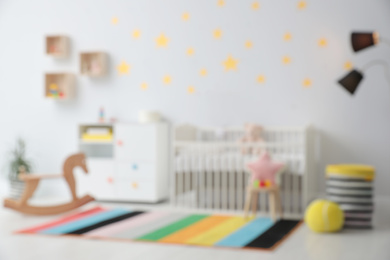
{"x": 354, "y": 129}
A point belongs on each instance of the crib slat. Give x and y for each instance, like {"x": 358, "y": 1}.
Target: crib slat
{"x": 224, "y": 184}
{"x": 225, "y": 190}
{"x": 293, "y": 191}
{"x": 194, "y": 185}
{"x": 209, "y": 183}
{"x": 231, "y": 190}
{"x": 240, "y": 190}
{"x": 180, "y": 187}
{"x": 172, "y": 171}
{"x": 290, "y": 157}
{"x": 216, "y": 186}
{"x": 287, "y": 193}
{"x": 297, "y": 189}
{"x": 202, "y": 190}
{"x": 187, "y": 183}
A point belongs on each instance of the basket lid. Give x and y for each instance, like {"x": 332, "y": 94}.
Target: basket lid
{"x": 352, "y": 170}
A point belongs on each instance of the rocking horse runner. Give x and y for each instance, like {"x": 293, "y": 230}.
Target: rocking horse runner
{"x": 32, "y": 181}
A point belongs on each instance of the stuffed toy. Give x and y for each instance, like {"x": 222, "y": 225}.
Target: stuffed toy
{"x": 252, "y": 135}
{"x": 264, "y": 171}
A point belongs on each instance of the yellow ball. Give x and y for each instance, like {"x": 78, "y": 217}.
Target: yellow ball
{"x": 324, "y": 216}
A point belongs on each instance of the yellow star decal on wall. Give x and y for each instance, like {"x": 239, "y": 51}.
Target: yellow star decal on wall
{"x": 260, "y": 79}
{"x": 286, "y": 60}
{"x": 190, "y": 51}
{"x": 136, "y": 34}
{"x": 287, "y": 37}
{"x": 144, "y": 86}
{"x": 167, "y": 79}
{"x": 162, "y": 41}
{"x": 255, "y": 5}
{"x": 191, "y": 90}
{"x": 221, "y": 3}
{"x": 322, "y": 42}
{"x": 217, "y": 33}
{"x": 248, "y": 44}
{"x": 123, "y": 68}
{"x": 114, "y": 20}
{"x": 348, "y": 65}
{"x": 302, "y": 5}
{"x": 230, "y": 63}
{"x": 307, "y": 83}
{"x": 203, "y": 72}
{"x": 185, "y": 16}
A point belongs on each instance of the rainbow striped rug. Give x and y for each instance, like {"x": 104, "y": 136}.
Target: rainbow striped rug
{"x": 172, "y": 228}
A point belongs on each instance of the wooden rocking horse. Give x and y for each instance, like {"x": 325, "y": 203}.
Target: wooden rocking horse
{"x": 32, "y": 181}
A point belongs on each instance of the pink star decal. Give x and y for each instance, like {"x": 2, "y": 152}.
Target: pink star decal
{"x": 264, "y": 168}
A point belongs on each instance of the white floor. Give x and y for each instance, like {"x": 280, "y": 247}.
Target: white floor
{"x": 303, "y": 244}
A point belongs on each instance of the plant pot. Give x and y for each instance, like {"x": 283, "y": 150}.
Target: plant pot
{"x": 16, "y": 189}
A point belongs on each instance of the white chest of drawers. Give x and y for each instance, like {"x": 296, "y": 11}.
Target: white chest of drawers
{"x": 138, "y": 169}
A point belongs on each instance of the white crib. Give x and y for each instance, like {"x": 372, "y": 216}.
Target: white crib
{"x": 209, "y": 168}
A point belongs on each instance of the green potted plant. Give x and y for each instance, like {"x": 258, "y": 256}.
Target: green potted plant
{"x": 18, "y": 164}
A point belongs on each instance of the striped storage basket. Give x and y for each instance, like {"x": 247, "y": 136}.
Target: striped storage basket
{"x": 351, "y": 186}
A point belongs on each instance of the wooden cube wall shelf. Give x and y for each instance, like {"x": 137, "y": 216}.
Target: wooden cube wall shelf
{"x": 57, "y": 46}
{"x": 93, "y": 64}
{"x": 59, "y": 86}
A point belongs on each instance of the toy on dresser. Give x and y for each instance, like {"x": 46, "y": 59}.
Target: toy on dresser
{"x": 252, "y": 135}
{"x": 264, "y": 172}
